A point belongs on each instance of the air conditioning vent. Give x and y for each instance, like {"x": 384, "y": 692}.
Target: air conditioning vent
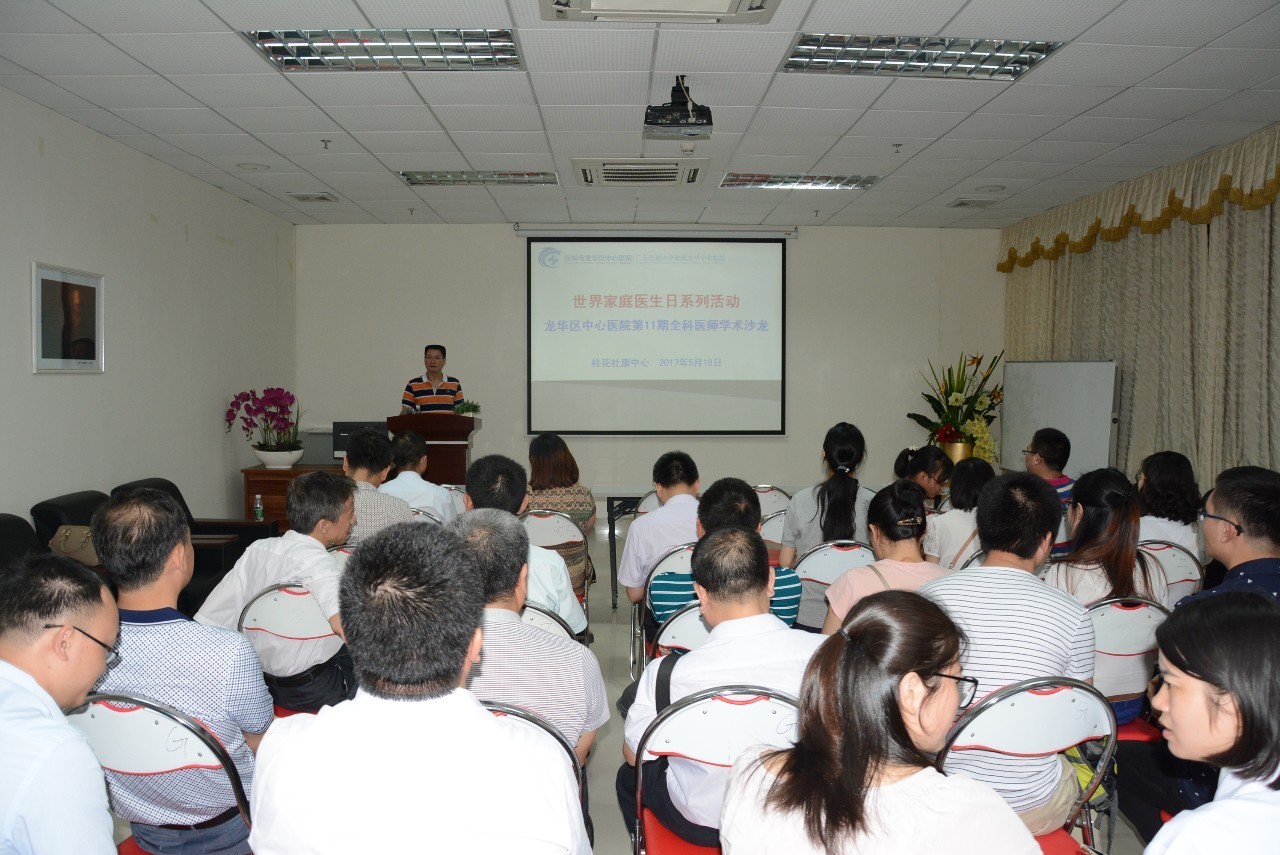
{"x": 971, "y": 202}
{"x": 686, "y": 11}
{"x": 313, "y": 197}
{"x": 639, "y": 172}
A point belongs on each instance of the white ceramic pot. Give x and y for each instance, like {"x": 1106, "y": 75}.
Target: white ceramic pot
{"x": 277, "y": 459}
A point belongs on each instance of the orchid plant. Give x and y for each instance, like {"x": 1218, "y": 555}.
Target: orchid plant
{"x": 274, "y": 415}
{"x": 959, "y": 395}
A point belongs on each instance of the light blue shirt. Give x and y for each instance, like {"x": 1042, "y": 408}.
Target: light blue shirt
{"x": 52, "y": 796}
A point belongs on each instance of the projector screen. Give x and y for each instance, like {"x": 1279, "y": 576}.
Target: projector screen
{"x": 656, "y": 336}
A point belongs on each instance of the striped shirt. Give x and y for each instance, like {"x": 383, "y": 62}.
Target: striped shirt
{"x": 1065, "y": 487}
{"x": 670, "y": 591}
{"x": 1018, "y": 628}
{"x": 422, "y": 397}
{"x": 554, "y": 677}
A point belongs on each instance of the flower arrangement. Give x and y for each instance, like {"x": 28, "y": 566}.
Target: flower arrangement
{"x": 467, "y": 408}
{"x": 273, "y": 414}
{"x": 961, "y": 400}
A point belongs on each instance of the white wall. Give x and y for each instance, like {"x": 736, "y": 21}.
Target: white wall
{"x": 198, "y": 305}
{"x": 865, "y": 309}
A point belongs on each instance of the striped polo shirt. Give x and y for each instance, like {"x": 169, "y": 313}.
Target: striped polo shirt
{"x": 1018, "y": 628}
{"x": 422, "y": 397}
{"x": 670, "y": 591}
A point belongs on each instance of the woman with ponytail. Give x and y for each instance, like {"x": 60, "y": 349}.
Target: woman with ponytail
{"x": 877, "y": 700}
{"x": 836, "y": 509}
{"x": 928, "y": 467}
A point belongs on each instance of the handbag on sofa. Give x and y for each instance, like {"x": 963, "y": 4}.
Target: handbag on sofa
{"x": 75, "y": 541}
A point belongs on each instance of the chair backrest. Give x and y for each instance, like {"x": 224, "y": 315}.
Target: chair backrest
{"x": 457, "y": 493}
{"x": 532, "y": 721}
{"x": 827, "y": 562}
{"x": 17, "y": 538}
{"x": 285, "y": 611}
{"x": 1035, "y": 718}
{"x": 550, "y": 529}
{"x": 545, "y": 619}
{"x": 772, "y": 499}
{"x": 425, "y": 515}
{"x": 1125, "y": 643}
{"x": 133, "y": 735}
{"x": 772, "y": 525}
{"x": 674, "y": 560}
{"x": 684, "y": 630}
{"x": 648, "y": 502}
{"x": 977, "y": 559}
{"x": 68, "y": 509}
{"x": 1182, "y": 570}
{"x": 164, "y": 485}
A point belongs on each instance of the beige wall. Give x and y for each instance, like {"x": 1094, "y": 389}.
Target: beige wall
{"x": 198, "y": 305}
{"x": 865, "y": 309}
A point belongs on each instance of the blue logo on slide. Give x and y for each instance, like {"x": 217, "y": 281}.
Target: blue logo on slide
{"x": 549, "y": 257}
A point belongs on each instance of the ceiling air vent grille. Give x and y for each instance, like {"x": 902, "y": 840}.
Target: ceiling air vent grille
{"x": 639, "y": 172}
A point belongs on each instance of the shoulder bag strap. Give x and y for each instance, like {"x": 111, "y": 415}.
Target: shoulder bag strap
{"x": 662, "y": 692}
{"x": 883, "y": 581}
{"x": 960, "y": 552}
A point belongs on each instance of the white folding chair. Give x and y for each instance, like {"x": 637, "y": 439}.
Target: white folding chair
{"x": 532, "y": 721}
{"x": 648, "y": 502}
{"x": 535, "y": 615}
{"x": 426, "y": 515}
{"x": 685, "y": 630}
{"x": 285, "y": 611}
{"x": 557, "y": 530}
{"x": 977, "y": 559}
{"x": 134, "y": 735}
{"x": 1125, "y": 643}
{"x": 713, "y": 727}
{"x": 819, "y": 567}
{"x": 771, "y": 527}
{"x": 674, "y": 561}
{"x": 772, "y": 499}
{"x": 1038, "y": 718}
{"x": 1182, "y": 570}
{"x": 457, "y": 493}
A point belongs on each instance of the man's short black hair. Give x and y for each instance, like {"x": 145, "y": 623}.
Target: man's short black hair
{"x": 731, "y": 563}
{"x": 407, "y": 449}
{"x": 1015, "y": 512}
{"x": 498, "y": 544}
{"x": 317, "y": 496}
{"x": 440, "y": 347}
{"x": 675, "y": 468}
{"x": 411, "y": 601}
{"x": 729, "y": 502}
{"x": 1053, "y": 447}
{"x": 40, "y": 589}
{"x": 134, "y": 532}
{"x": 369, "y": 449}
{"x": 1250, "y": 496}
{"x": 498, "y": 482}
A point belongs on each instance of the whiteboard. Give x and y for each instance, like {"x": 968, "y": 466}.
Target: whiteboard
{"x": 1077, "y": 398}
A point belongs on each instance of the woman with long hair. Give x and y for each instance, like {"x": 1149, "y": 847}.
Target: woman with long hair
{"x": 836, "y": 509}
{"x": 1170, "y": 498}
{"x": 896, "y": 523}
{"x": 877, "y": 700}
{"x": 952, "y": 536}
{"x": 1220, "y": 667}
{"x": 553, "y": 486}
{"x": 929, "y": 467}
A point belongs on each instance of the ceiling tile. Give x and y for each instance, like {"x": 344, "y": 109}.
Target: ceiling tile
{"x": 1017, "y": 19}
{"x": 764, "y": 164}
{"x": 468, "y": 195}
{"x": 1103, "y": 129}
{"x": 588, "y": 119}
{"x": 240, "y": 90}
{"x": 406, "y": 142}
{"x": 914, "y": 184}
{"x": 66, "y": 54}
{"x": 1218, "y": 68}
{"x": 1003, "y": 169}
{"x": 384, "y": 88}
{"x": 1253, "y": 105}
{"x": 560, "y": 51}
{"x": 283, "y": 14}
{"x": 1172, "y": 22}
{"x": 595, "y": 144}
{"x": 817, "y": 91}
{"x": 783, "y": 120}
{"x": 1146, "y": 103}
{"x": 1104, "y": 65}
{"x": 871, "y": 16}
{"x": 189, "y": 164}
{"x": 215, "y": 145}
{"x": 1135, "y": 154}
{"x": 381, "y": 180}
{"x": 976, "y": 186}
{"x": 279, "y": 120}
{"x": 997, "y": 126}
{"x": 279, "y": 168}
{"x": 1093, "y": 171}
{"x": 43, "y": 92}
{"x": 182, "y": 53}
{"x": 483, "y": 87}
{"x": 534, "y": 141}
{"x": 1048, "y": 100}
{"x": 715, "y": 89}
{"x": 424, "y": 161}
{"x": 919, "y": 166}
{"x": 512, "y": 117}
{"x": 855, "y": 146}
{"x": 858, "y": 165}
{"x": 898, "y": 123}
{"x": 171, "y": 16}
{"x": 370, "y": 187}
{"x": 1045, "y": 151}
{"x": 148, "y": 144}
{"x": 312, "y": 143}
{"x": 689, "y": 52}
{"x": 37, "y": 16}
{"x": 351, "y": 162}
{"x": 806, "y": 145}
{"x": 438, "y": 14}
{"x": 927, "y": 94}
{"x": 178, "y": 120}
{"x": 1262, "y": 32}
{"x": 102, "y": 121}
{"x": 1197, "y": 132}
{"x": 367, "y": 119}
{"x": 133, "y": 91}
{"x": 607, "y": 87}
{"x": 511, "y": 162}
{"x": 970, "y": 149}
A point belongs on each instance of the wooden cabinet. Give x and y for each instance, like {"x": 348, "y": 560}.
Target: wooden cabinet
{"x": 273, "y": 486}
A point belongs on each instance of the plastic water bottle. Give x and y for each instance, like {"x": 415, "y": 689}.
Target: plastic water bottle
{"x": 258, "y": 513}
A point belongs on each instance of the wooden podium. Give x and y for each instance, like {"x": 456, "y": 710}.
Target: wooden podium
{"x": 448, "y": 437}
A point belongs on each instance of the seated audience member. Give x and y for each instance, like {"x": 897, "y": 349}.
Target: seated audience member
{"x": 409, "y": 452}
{"x": 301, "y": 675}
{"x": 1220, "y": 664}
{"x": 414, "y": 763}
{"x": 877, "y": 701}
{"x": 951, "y": 538}
{"x": 1046, "y": 457}
{"x": 727, "y": 502}
{"x": 836, "y": 509}
{"x": 675, "y": 480}
{"x": 928, "y": 468}
{"x": 523, "y": 665}
{"x": 1018, "y": 628}
{"x": 896, "y": 520}
{"x": 58, "y": 629}
{"x": 553, "y": 486}
{"x": 1170, "y": 498}
{"x": 733, "y": 582}
{"x": 367, "y": 462}
{"x": 499, "y": 482}
{"x": 210, "y": 673}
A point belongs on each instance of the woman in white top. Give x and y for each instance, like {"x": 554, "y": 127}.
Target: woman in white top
{"x": 951, "y": 538}
{"x": 1170, "y": 497}
{"x": 1220, "y": 664}
{"x": 877, "y": 699}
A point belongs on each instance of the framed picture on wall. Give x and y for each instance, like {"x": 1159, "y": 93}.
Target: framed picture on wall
{"x": 66, "y": 321}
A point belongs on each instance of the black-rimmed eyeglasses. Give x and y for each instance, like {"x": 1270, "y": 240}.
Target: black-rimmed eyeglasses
{"x": 966, "y": 687}
{"x": 1205, "y": 515}
{"x": 113, "y": 655}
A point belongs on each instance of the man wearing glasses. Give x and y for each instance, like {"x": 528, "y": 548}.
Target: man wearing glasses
{"x": 210, "y": 673}
{"x": 1240, "y": 524}
{"x": 58, "y": 628}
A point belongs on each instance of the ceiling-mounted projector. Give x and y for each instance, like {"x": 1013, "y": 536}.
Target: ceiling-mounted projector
{"x": 678, "y": 119}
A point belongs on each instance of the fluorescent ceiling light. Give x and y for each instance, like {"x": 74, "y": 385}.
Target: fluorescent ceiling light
{"x": 388, "y": 50}
{"x": 687, "y": 11}
{"x": 439, "y": 179}
{"x": 915, "y": 56}
{"x": 799, "y": 182}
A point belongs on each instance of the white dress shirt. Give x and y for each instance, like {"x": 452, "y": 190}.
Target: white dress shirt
{"x": 296, "y": 558}
{"x": 1242, "y": 818}
{"x": 421, "y": 494}
{"x": 551, "y": 588}
{"x": 760, "y": 651}
{"x": 655, "y": 533}
{"x": 440, "y": 775}
{"x": 52, "y": 795}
